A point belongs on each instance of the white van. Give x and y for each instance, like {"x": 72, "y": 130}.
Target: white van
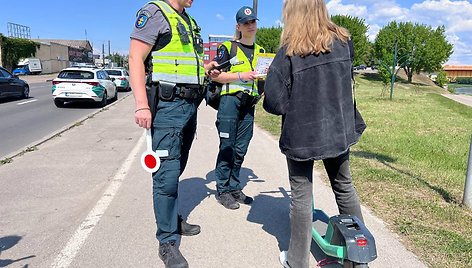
{"x": 28, "y": 66}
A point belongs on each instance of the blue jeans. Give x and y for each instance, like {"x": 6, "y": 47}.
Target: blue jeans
{"x": 301, "y": 213}
{"x": 173, "y": 131}
{"x": 235, "y": 126}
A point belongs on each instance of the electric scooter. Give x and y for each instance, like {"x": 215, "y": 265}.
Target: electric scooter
{"x": 346, "y": 238}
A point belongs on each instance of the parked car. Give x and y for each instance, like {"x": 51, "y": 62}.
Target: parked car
{"x": 83, "y": 85}
{"x": 28, "y": 66}
{"x": 12, "y": 86}
{"x": 360, "y": 67}
{"x": 121, "y": 78}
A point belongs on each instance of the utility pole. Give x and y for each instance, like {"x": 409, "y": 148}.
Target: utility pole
{"x": 103, "y": 54}
{"x": 468, "y": 180}
{"x": 392, "y": 78}
{"x": 109, "y": 49}
{"x": 254, "y": 6}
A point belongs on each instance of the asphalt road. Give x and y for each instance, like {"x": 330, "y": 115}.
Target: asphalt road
{"x": 24, "y": 122}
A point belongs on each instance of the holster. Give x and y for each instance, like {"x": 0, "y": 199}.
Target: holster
{"x": 152, "y": 96}
{"x": 247, "y": 100}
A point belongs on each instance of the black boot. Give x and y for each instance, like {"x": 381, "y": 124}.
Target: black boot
{"x": 187, "y": 229}
{"x": 240, "y": 197}
{"x": 171, "y": 256}
{"x": 227, "y": 200}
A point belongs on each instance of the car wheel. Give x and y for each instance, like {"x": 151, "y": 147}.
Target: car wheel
{"x": 59, "y": 103}
{"x": 103, "y": 102}
{"x": 26, "y": 92}
{"x": 115, "y": 98}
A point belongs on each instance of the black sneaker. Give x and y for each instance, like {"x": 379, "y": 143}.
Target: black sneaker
{"x": 171, "y": 256}
{"x": 240, "y": 197}
{"x": 188, "y": 229}
{"x": 227, "y": 200}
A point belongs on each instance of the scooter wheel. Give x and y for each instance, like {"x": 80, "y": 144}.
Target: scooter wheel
{"x": 350, "y": 264}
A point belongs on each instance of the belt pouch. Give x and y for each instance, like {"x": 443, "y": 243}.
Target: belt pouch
{"x": 166, "y": 91}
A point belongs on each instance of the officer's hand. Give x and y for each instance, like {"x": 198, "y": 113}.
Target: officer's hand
{"x": 143, "y": 117}
{"x": 248, "y": 76}
{"x": 210, "y": 69}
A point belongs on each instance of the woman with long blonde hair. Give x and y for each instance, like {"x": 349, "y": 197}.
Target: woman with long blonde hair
{"x": 309, "y": 84}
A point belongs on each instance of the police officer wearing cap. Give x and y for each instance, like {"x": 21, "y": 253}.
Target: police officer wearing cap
{"x": 167, "y": 72}
{"x": 235, "y": 118}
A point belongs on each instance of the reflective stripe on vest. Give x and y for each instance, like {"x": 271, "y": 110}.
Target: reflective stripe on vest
{"x": 177, "y": 62}
{"x": 238, "y": 85}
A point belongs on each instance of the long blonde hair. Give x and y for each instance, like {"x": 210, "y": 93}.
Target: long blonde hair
{"x": 308, "y": 28}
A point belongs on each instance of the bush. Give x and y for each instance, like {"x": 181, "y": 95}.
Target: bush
{"x": 441, "y": 78}
{"x": 464, "y": 80}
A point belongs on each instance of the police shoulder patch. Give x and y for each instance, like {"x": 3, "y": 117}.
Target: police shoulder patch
{"x": 142, "y": 19}
{"x": 221, "y": 52}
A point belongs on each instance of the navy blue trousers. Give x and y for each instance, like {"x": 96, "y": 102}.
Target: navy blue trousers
{"x": 235, "y": 126}
{"x": 173, "y": 132}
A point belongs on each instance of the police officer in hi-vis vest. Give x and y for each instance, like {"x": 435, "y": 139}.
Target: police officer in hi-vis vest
{"x": 235, "y": 118}
{"x": 167, "y": 72}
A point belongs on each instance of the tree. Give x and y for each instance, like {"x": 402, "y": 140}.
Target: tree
{"x": 269, "y": 38}
{"x": 418, "y": 47}
{"x": 118, "y": 59}
{"x": 14, "y": 49}
{"x": 358, "y": 30}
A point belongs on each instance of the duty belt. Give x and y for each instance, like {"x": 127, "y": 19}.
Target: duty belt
{"x": 189, "y": 92}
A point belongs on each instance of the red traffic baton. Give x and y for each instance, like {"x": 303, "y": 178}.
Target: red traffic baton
{"x": 149, "y": 159}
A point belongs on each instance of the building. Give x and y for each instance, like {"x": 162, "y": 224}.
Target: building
{"x": 78, "y": 51}
{"x": 54, "y": 57}
{"x": 454, "y": 72}
{"x": 211, "y": 47}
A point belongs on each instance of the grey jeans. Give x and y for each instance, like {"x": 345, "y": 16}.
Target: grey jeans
{"x": 301, "y": 214}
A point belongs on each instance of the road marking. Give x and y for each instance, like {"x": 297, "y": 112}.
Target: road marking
{"x": 67, "y": 255}
{"x": 25, "y": 102}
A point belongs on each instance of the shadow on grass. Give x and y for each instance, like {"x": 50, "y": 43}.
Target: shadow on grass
{"x": 387, "y": 160}
{"x": 369, "y": 155}
{"x": 372, "y": 77}
{"x": 441, "y": 191}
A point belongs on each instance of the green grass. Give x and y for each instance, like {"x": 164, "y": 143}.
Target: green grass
{"x": 410, "y": 166}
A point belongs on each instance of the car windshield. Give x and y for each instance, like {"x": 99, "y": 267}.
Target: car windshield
{"x": 76, "y": 75}
{"x": 113, "y": 72}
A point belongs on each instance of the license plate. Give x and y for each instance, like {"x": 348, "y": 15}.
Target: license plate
{"x": 72, "y": 94}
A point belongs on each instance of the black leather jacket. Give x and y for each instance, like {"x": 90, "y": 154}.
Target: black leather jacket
{"x": 314, "y": 96}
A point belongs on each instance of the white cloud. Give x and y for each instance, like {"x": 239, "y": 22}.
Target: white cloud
{"x": 336, "y": 7}
{"x": 373, "y": 31}
{"x": 220, "y": 17}
{"x": 456, "y": 16}
{"x": 386, "y": 12}
{"x": 279, "y": 23}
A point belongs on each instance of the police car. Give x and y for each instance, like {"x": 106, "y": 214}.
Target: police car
{"x": 83, "y": 85}
{"x": 121, "y": 78}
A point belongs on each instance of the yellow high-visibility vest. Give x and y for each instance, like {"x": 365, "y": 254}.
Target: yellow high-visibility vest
{"x": 238, "y": 85}
{"x": 178, "y": 62}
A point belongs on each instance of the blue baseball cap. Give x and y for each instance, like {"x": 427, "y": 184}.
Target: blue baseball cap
{"x": 245, "y": 14}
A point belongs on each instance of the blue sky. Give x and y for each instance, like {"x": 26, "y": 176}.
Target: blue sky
{"x": 114, "y": 20}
